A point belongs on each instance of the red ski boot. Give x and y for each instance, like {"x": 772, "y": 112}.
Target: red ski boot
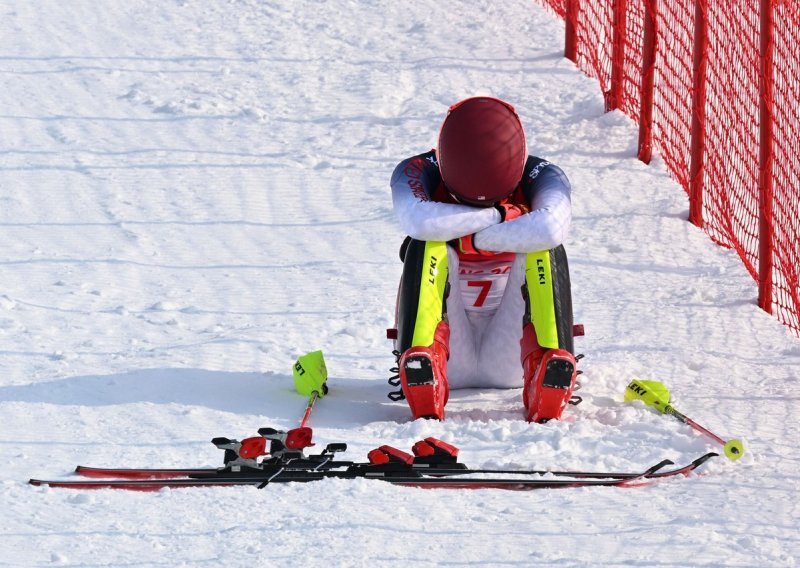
{"x": 549, "y": 378}
{"x": 423, "y": 376}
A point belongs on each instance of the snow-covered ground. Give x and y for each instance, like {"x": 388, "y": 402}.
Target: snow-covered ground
{"x": 193, "y": 193}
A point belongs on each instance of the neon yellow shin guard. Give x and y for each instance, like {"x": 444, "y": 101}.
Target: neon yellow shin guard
{"x": 547, "y": 344}
{"x": 423, "y": 290}
{"x": 423, "y": 333}
{"x": 540, "y": 302}
{"x": 548, "y": 298}
{"x": 432, "y": 288}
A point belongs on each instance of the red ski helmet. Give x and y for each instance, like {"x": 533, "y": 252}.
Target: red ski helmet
{"x": 482, "y": 150}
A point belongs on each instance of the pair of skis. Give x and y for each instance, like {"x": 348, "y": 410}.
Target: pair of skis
{"x": 433, "y": 465}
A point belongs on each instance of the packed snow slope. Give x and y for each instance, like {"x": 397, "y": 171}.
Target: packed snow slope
{"x": 194, "y": 193}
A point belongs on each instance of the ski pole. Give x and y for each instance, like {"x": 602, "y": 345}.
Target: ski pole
{"x": 309, "y": 407}
{"x": 656, "y": 395}
{"x": 310, "y": 376}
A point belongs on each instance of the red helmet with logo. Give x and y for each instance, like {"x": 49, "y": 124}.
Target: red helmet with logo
{"x": 482, "y": 150}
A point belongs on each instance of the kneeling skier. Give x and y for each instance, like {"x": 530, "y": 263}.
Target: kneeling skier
{"x": 484, "y": 298}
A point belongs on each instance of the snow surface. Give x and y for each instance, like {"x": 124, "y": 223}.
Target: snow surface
{"x": 194, "y": 193}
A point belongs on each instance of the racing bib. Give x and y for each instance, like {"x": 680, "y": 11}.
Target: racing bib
{"x": 483, "y": 282}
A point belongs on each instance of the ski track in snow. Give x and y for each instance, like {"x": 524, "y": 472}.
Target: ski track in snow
{"x": 192, "y": 194}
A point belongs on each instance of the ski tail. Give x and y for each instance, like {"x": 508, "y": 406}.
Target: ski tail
{"x": 140, "y": 473}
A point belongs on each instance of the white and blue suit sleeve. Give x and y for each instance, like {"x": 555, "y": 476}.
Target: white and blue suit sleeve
{"x": 544, "y": 185}
{"x": 548, "y": 194}
{"x": 413, "y": 183}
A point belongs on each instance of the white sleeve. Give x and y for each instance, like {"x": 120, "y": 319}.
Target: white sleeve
{"x": 427, "y": 220}
{"x": 544, "y": 228}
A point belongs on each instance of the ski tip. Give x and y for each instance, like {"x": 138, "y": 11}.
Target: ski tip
{"x": 704, "y": 458}
{"x": 37, "y": 482}
{"x": 660, "y": 465}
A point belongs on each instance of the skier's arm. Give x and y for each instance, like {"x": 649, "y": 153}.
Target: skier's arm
{"x": 544, "y": 228}
{"x": 427, "y": 220}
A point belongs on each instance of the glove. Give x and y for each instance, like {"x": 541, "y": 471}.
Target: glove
{"x": 510, "y": 211}
{"x": 466, "y": 245}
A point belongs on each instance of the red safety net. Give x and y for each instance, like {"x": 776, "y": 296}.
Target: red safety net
{"x": 630, "y": 23}
{"x": 557, "y": 6}
{"x": 609, "y": 42}
{"x": 672, "y": 97}
{"x": 730, "y": 189}
{"x": 786, "y": 168}
{"x": 595, "y": 25}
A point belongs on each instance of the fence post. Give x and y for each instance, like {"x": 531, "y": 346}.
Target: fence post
{"x": 619, "y": 37}
{"x": 698, "y": 145}
{"x": 765, "y": 178}
{"x": 571, "y": 33}
{"x": 648, "y": 81}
